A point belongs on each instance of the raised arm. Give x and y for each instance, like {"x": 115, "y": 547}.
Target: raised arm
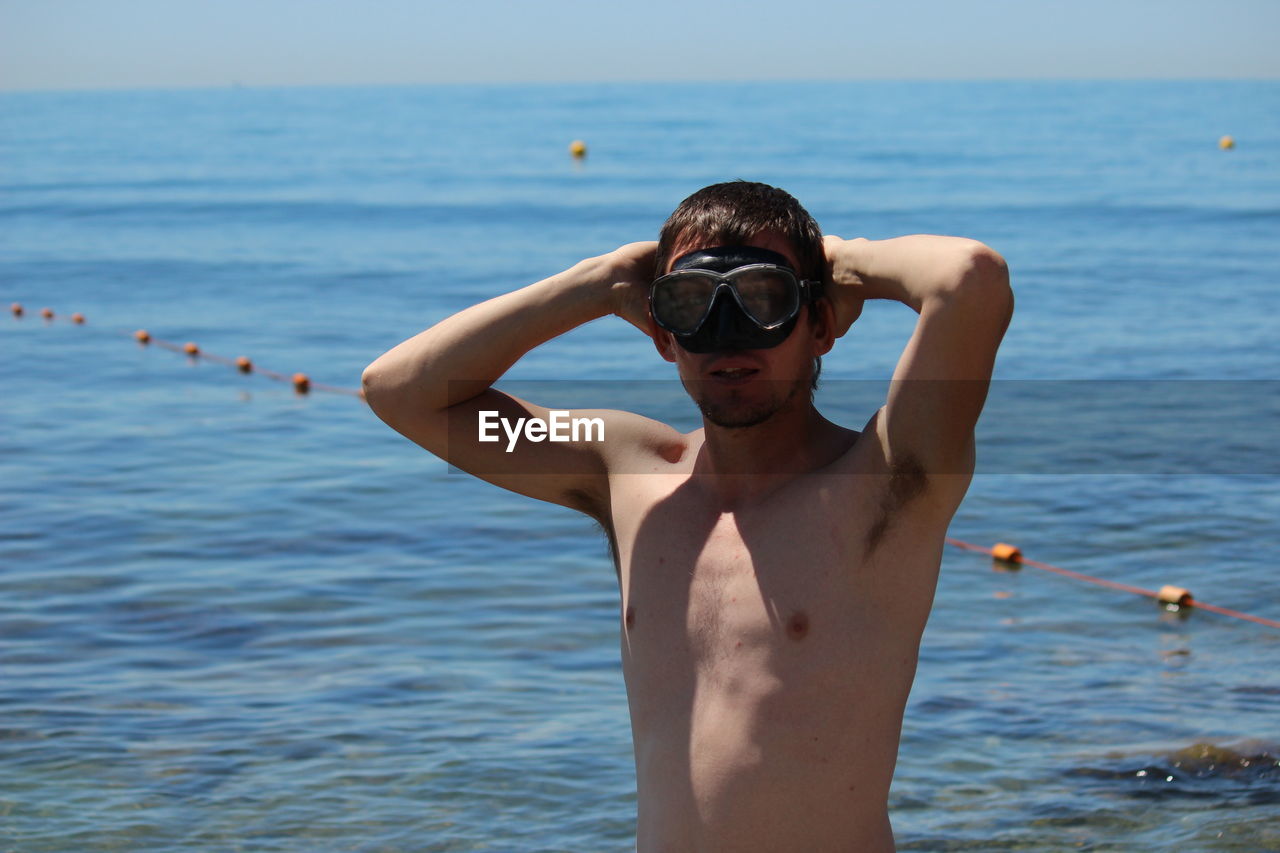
{"x": 960, "y": 288}
{"x": 433, "y": 387}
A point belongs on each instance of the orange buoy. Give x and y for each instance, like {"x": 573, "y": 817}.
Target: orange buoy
{"x": 16, "y": 308}
{"x": 1226, "y": 143}
{"x": 301, "y": 383}
{"x": 78, "y": 319}
{"x": 1006, "y": 553}
{"x": 578, "y": 149}
{"x": 1174, "y": 596}
{"x": 142, "y": 336}
{"x": 46, "y": 313}
{"x": 191, "y": 349}
{"x": 244, "y": 365}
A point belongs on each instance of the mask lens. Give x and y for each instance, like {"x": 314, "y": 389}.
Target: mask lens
{"x": 681, "y": 300}
{"x": 769, "y": 296}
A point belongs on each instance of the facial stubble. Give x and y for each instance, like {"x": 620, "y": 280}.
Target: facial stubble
{"x": 731, "y": 411}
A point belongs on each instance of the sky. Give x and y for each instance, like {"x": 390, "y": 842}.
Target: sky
{"x": 91, "y": 44}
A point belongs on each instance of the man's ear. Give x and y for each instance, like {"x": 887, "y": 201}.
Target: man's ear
{"x": 822, "y": 325}
{"x": 663, "y": 341}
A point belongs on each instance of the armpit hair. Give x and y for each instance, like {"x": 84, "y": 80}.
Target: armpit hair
{"x": 590, "y": 505}
{"x": 907, "y": 481}
{"x": 607, "y": 530}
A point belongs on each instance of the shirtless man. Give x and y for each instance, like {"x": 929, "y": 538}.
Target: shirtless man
{"x": 776, "y": 569}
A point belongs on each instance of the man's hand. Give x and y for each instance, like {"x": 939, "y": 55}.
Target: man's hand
{"x": 633, "y": 274}
{"x": 844, "y": 287}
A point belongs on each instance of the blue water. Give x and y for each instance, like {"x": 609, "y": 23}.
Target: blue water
{"x": 236, "y": 618}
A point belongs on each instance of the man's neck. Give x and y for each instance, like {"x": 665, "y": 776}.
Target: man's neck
{"x": 740, "y": 465}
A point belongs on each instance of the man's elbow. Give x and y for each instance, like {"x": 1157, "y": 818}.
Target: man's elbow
{"x": 401, "y": 396}
{"x": 985, "y": 278}
{"x": 379, "y": 391}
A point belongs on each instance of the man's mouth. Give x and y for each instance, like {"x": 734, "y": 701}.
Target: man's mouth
{"x": 734, "y": 374}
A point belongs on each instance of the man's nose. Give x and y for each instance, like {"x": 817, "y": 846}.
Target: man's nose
{"x": 731, "y": 326}
{"x": 725, "y": 326}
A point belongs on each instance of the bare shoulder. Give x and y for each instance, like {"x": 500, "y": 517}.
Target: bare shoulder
{"x": 635, "y": 444}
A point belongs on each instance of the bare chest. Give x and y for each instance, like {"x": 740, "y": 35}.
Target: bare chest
{"x": 784, "y": 592}
{"x": 745, "y": 588}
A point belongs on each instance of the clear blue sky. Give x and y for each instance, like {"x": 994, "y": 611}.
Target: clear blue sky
{"x": 61, "y": 44}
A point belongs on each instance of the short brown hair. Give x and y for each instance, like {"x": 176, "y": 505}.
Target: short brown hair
{"x": 732, "y": 213}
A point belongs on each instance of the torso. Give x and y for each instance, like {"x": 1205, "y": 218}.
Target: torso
{"x": 768, "y": 654}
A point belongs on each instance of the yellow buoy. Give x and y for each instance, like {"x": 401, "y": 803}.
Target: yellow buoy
{"x": 1006, "y": 553}
{"x": 578, "y": 149}
{"x": 1226, "y": 143}
{"x": 1174, "y": 595}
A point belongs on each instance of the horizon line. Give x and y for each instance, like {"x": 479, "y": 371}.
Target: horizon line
{"x": 239, "y": 84}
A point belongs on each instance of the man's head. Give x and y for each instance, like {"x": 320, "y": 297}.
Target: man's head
{"x": 729, "y": 219}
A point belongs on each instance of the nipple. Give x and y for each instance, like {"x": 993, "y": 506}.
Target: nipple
{"x": 630, "y": 617}
{"x": 798, "y": 625}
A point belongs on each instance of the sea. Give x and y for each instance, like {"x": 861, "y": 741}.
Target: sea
{"x": 237, "y": 617}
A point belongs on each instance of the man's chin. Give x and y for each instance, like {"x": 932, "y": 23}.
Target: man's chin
{"x": 737, "y": 411}
{"x": 736, "y": 417}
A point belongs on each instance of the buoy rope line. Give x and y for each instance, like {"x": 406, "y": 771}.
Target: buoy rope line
{"x": 1007, "y": 555}
{"x": 300, "y": 381}
{"x": 1173, "y": 597}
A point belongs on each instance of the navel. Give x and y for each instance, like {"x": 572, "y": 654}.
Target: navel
{"x": 798, "y": 625}
{"x": 630, "y": 617}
